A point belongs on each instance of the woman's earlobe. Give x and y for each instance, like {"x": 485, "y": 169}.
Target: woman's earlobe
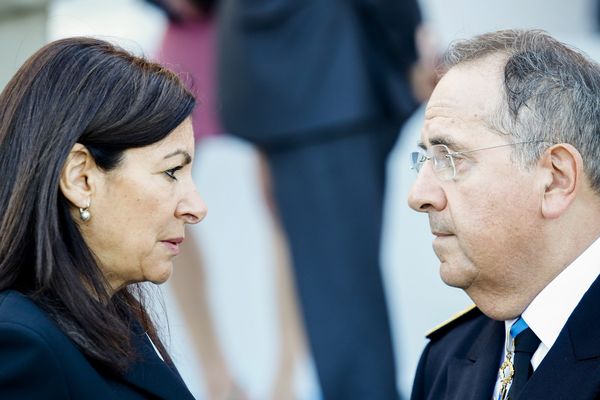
{"x": 76, "y": 182}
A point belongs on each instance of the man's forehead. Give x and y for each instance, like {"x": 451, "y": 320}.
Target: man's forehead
{"x": 464, "y": 100}
{"x": 475, "y": 85}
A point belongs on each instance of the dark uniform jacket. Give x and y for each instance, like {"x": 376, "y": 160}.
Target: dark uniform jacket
{"x": 38, "y": 361}
{"x": 462, "y": 359}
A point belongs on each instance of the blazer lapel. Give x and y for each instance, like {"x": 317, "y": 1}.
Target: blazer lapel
{"x": 152, "y": 374}
{"x": 571, "y": 369}
{"x": 473, "y": 377}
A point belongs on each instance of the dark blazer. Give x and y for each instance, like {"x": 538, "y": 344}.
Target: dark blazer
{"x": 290, "y": 68}
{"x": 462, "y": 359}
{"x": 38, "y": 361}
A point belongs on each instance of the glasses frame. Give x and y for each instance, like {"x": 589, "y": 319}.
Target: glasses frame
{"x": 418, "y": 158}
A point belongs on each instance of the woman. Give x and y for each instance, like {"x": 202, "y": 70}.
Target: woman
{"x": 95, "y": 149}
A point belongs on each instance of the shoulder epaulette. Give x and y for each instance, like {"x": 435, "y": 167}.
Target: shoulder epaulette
{"x": 445, "y": 326}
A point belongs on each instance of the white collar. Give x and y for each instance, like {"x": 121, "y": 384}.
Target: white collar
{"x": 154, "y": 347}
{"x": 549, "y": 311}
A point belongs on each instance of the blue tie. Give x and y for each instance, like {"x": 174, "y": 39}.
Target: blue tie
{"x": 526, "y": 343}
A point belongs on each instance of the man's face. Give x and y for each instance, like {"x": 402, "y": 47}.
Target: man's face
{"x": 485, "y": 219}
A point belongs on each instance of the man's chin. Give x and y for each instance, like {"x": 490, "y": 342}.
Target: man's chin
{"x": 457, "y": 277}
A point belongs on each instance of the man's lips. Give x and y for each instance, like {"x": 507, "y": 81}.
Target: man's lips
{"x": 442, "y": 234}
{"x": 173, "y": 244}
{"x": 177, "y": 240}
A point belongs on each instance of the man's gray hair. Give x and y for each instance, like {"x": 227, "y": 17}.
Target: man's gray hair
{"x": 551, "y": 93}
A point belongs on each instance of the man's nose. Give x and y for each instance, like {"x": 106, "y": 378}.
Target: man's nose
{"x": 426, "y": 193}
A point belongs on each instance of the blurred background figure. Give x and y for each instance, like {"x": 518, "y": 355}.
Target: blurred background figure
{"x": 323, "y": 89}
{"x": 189, "y": 48}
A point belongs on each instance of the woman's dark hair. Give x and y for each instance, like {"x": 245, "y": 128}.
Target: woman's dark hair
{"x": 88, "y": 91}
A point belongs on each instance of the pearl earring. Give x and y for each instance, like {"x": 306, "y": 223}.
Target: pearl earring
{"x": 84, "y": 213}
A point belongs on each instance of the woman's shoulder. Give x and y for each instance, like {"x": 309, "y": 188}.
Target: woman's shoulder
{"x": 15, "y": 306}
{"x": 33, "y": 344}
{"x": 19, "y": 313}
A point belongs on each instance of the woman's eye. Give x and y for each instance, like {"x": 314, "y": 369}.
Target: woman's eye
{"x": 171, "y": 172}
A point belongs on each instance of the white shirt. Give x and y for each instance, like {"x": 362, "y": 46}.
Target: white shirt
{"x": 155, "y": 348}
{"x": 548, "y": 313}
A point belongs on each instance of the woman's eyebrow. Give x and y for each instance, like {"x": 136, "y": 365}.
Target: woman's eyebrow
{"x": 186, "y": 155}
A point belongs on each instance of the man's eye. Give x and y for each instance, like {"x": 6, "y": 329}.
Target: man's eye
{"x": 457, "y": 157}
{"x": 171, "y": 172}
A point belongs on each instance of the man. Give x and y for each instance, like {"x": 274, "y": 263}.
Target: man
{"x": 509, "y": 176}
{"x": 323, "y": 87}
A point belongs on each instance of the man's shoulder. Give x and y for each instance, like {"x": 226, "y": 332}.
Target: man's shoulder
{"x": 458, "y": 320}
{"x": 455, "y": 338}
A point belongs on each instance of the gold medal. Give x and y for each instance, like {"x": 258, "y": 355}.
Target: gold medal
{"x": 507, "y": 371}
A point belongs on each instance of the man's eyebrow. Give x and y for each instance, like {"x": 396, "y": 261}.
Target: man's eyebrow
{"x": 445, "y": 140}
{"x": 186, "y": 156}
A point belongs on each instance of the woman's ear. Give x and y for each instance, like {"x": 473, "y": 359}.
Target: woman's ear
{"x": 564, "y": 167}
{"x": 77, "y": 176}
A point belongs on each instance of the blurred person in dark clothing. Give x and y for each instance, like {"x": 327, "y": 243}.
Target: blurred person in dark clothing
{"x": 323, "y": 88}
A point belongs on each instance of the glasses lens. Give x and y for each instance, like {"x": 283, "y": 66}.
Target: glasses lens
{"x": 443, "y": 163}
{"x": 417, "y": 158}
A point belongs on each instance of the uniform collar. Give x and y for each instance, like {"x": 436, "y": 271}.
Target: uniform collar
{"x": 548, "y": 313}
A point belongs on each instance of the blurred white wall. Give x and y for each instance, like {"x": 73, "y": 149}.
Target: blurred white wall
{"x": 463, "y": 18}
{"x": 133, "y": 24}
{"x": 22, "y": 31}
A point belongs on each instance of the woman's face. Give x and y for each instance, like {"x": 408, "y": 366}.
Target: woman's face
{"x": 139, "y": 210}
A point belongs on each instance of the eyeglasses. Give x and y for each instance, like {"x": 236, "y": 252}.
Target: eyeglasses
{"x": 444, "y": 165}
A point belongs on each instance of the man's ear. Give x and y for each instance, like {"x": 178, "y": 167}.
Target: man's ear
{"x": 563, "y": 168}
{"x": 77, "y": 178}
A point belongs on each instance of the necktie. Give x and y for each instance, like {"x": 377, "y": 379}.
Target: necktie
{"x": 526, "y": 343}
